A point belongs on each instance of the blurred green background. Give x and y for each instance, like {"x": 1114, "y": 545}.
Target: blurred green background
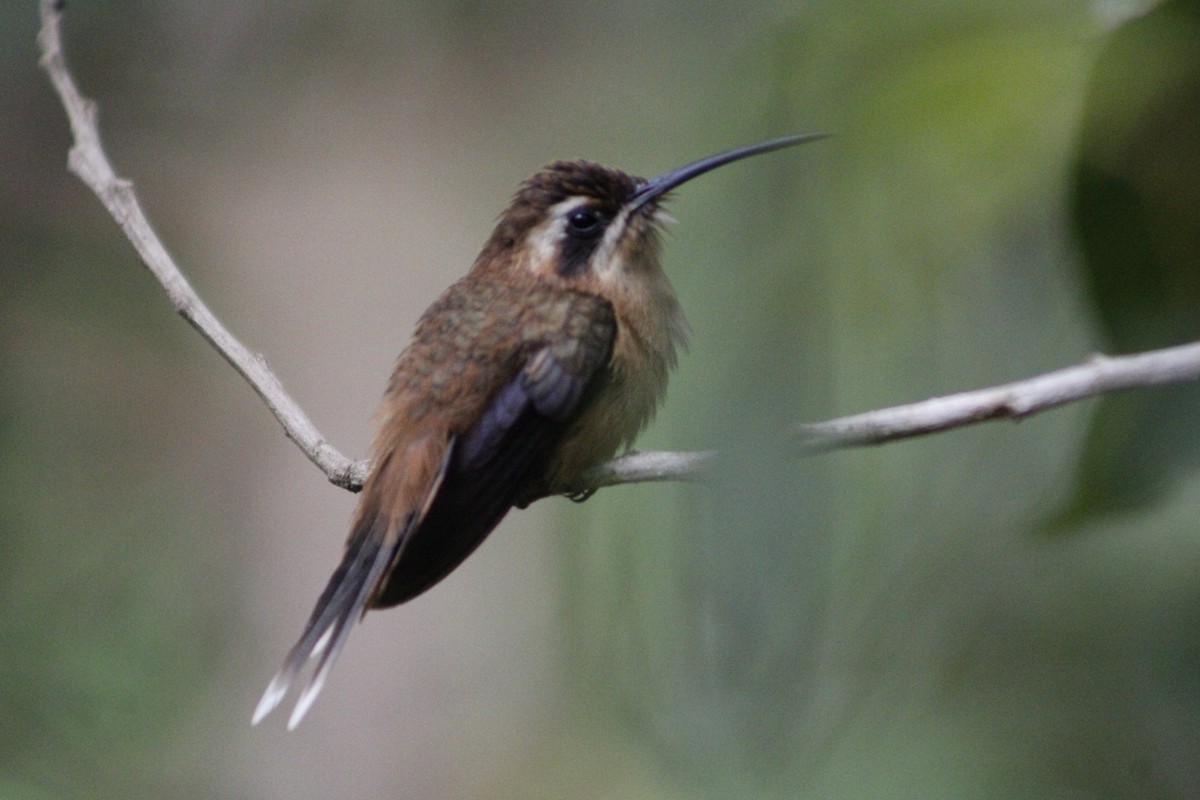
{"x": 1008, "y": 611}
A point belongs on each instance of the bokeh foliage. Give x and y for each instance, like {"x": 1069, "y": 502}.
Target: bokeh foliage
{"x": 1004, "y": 611}
{"x": 985, "y": 614}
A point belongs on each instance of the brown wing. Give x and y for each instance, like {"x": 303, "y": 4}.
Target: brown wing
{"x": 493, "y": 461}
{"x": 472, "y": 413}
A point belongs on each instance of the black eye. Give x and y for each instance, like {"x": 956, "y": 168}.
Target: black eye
{"x": 584, "y": 222}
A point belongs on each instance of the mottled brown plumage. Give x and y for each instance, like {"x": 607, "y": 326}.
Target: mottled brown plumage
{"x": 549, "y": 356}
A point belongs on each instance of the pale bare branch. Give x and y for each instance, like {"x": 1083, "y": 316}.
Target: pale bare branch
{"x": 89, "y": 162}
{"x": 1099, "y": 375}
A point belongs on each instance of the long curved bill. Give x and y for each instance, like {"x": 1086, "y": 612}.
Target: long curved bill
{"x": 661, "y": 184}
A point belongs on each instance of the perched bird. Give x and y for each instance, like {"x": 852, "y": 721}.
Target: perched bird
{"x": 549, "y": 356}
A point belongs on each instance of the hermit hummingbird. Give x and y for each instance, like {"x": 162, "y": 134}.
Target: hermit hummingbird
{"x": 548, "y": 357}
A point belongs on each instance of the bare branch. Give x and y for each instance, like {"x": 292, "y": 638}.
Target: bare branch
{"x": 646, "y": 467}
{"x": 1099, "y": 375}
{"x": 89, "y": 162}
{"x": 1014, "y": 401}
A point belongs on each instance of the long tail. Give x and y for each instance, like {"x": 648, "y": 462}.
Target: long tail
{"x": 344, "y": 601}
{"x": 375, "y": 546}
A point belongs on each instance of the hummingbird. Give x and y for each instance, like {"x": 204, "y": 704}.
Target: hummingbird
{"x": 549, "y": 356}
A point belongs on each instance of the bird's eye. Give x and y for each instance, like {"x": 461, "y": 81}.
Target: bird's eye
{"x": 584, "y": 222}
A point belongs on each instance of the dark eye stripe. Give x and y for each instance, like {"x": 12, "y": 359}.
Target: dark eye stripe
{"x": 582, "y": 233}
{"x": 573, "y": 255}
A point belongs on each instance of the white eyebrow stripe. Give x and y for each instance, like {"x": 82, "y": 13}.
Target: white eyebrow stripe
{"x": 546, "y": 239}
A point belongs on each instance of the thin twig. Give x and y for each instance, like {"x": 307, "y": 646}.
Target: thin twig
{"x": 88, "y": 160}
{"x": 638, "y": 467}
{"x": 1099, "y": 375}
